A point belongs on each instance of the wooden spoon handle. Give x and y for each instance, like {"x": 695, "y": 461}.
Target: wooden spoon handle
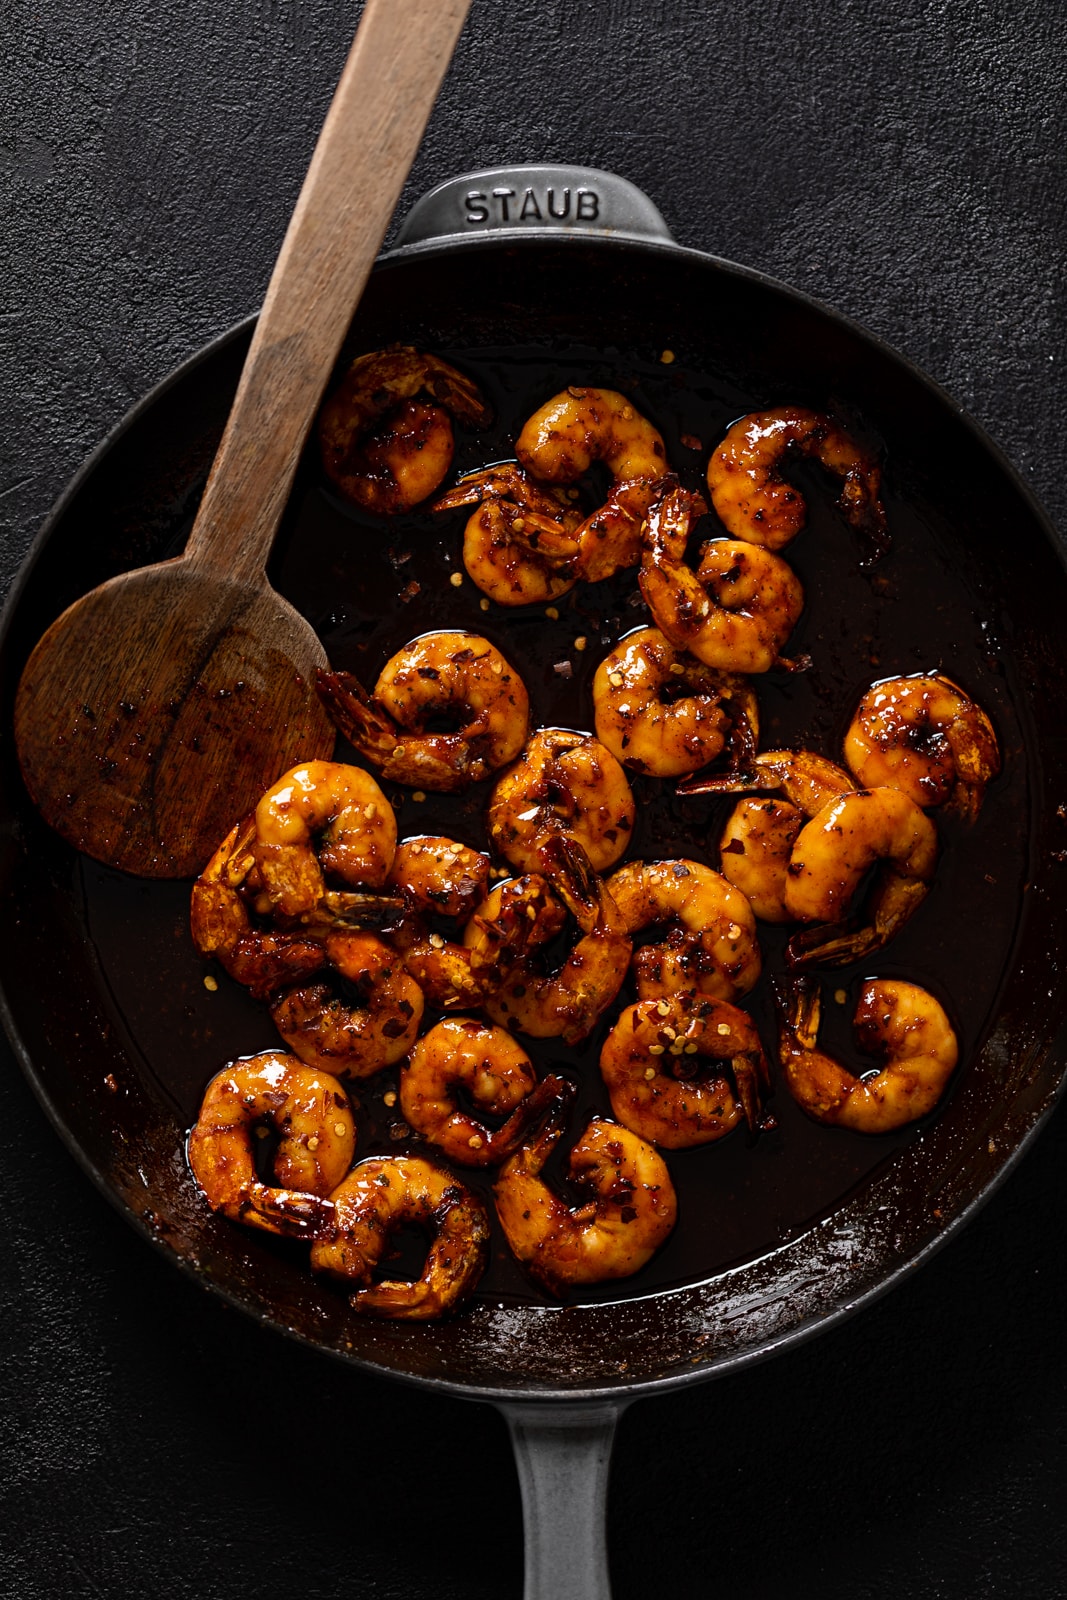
{"x": 372, "y": 132}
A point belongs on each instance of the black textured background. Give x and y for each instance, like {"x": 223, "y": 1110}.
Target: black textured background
{"x": 904, "y": 162}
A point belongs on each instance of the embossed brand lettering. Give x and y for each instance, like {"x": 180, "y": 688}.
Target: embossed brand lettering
{"x": 527, "y": 205}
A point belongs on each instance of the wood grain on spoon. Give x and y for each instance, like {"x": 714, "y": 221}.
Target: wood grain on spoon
{"x": 155, "y": 710}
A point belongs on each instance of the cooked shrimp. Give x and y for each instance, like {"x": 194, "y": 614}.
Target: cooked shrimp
{"x": 262, "y": 959}
{"x": 757, "y": 841}
{"x": 831, "y": 854}
{"x": 664, "y": 712}
{"x": 441, "y": 875}
{"x": 519, "y": 545}
{"x": 450, "y": 675}
{"x": 736, "y": 611}
{"x": 350, "y": 814}
{"x": 382, "y": 1195}
{"x": 652, "y": 1059}
{"x": 498, "y": 1078}
{"x": 922, "y": 735}
{"x": 630, "y": 1214}
{"x": 897, "y": 1023}
{"x": 564, "y": 782}
{"x": 569, "y": 1002}
{"x": 756, "y": 504}
{"x": 317, "y": 1139}
{"x": 356, "y": 1038}
{"x": 560, "y": 442}
{"x": 409, "y": 451}
{"x": 710, "y": 949}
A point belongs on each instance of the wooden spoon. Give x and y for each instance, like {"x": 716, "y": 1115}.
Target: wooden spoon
{"x": 156, "y": 710}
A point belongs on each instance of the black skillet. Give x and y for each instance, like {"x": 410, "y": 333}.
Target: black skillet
{"x": 531, "y": 278}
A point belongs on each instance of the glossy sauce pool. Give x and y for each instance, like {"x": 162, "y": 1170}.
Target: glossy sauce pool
{"x": 368, "y": 587}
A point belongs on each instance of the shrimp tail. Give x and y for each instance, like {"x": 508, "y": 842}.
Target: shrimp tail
{"x": 353, "y": 712}
{"x": 549, "y": 1095}
{"x": 546, "y": 1126}
{"x": 895, "y": 899}
{"x": 300, "y": 1216}
{"x": 798, "y": 1001}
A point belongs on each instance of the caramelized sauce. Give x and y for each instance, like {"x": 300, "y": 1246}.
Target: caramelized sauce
{"x": 369, "y": 587}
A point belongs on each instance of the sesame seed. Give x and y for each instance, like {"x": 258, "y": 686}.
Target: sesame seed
{"x": 581, "y": 642}
{"x": 398, "y": 750}
{"x": 456, "y": 579}
{"x": 691, "y": 1048}
{"x": 550, "y": 611}
{"x": 339, "y": 1129}
{"x": 677, "y": 1047}
{"x": 734, "y": 931}
{"x": 672, "y": 1033}
{"x": 498, "y": 667}
{"x": 650, "y": 1072}
{"x": 211, "y": 984}
{"x": 313, "y": 1142}
{"x": 436, "y": 941}
{"x": 723, "y": 1028}
{"x": 840, "y": 996}
{"x": 419, "y": 795}
{"x": 475, "y": 1141}
{"x": 663, "y": 1008}
{"x": 615, "y": 679}
{"x": 627, "y": 413}
{"x": 667, "y": 356}
{"x": 677, "y": 668}
{"x": 389, "y": 1097}
{"x": 370, "y": 812}
{"x": 484, "y": 604}
{"x": 656, "y": 1049}
{"x": 518, "y": 524}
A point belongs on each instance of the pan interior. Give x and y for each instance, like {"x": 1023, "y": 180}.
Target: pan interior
{"x": 107, "y": 997}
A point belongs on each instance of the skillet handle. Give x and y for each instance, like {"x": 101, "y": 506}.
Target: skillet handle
{"x": 563, "y": 1453}
{"x": 533, "y": 200}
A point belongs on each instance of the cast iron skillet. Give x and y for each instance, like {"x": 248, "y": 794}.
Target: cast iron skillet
{"x": 487, "y": 265}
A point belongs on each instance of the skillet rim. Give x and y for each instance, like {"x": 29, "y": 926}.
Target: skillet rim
{"x": 707, "y": 1367}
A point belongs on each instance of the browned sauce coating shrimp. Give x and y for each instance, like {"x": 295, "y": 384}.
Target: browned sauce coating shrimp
{"x": 451, "y": 675}
{"x": 360, "y": 1034}
{"x": 754, "y": 501}
{"x": 380, "y": 1196}
{"x": 924, "y": 736}
{"x": 340, "y": 807}
{"x": 661, "y": 711}
{"x": 654, "y": 1064}
{"x": 317, "y": 1139}
{"x": 381, "y": 445}
{"x": 630, "y": 1213}
{"x": 899, "y": 1024}
{"x": 736, "y": 611}
{"x": 519, "y": 545}
{"x": 563, "y": 782}
{"x": 497, "y": 1077}
{"x": 710, "y": 946}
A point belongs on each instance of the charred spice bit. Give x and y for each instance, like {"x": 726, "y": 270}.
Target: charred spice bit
{"x": 691, "y": 442}
{"x": 110, "y": 1084}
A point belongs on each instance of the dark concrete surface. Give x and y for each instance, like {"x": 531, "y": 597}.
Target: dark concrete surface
{"x": 905, "y": 163}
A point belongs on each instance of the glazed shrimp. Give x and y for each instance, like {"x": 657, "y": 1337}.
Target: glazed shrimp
{"x": 382, "y": 1195}
{"x": 569, "y": 1002}
{"x": 630, "y": 1213}
{"x": 661, "y": 711}
{"x": 380, "y": 445}
{"x": 451, "y": 675}
{"x": 357, "y": 1039}
{"x": 354, "y": 822}
{"x": 736, "y": 611}
{"x": 498, "y": 1078}
{"x": 564, "y": 782}
{"x": 559, "y": 444}
{"x": 652, "y": 1060}
{"x": 317, "y": 1139}
{"x": 922, "y": 735}
{"x": 519, "y": 545}
{"x": 711, "y": 947}
{"x": 221, "y": 923}
{"x": 897, "y": 1023}
{"x": 757, "y": 842}
{"x": 756, "y": 504}
{"x": 831, "y": 854}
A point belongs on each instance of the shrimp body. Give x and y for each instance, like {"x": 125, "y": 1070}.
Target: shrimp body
{"x": 563, "y": 782}
{"x": 356, "y": 1037}
{"x": 383, "y": 447}
{"x": 736, "y": 611}
{"x": 899, "y": 1024}
{"x": 518, "y": 545}
{"x": 380, "y": 1196}
{"x": 440, "y": 875}
{"x": 346, "y": 810}
{"x": 317, "y": 1139}
{"x": 757, "y": 842}
{"x": 756, "y": 504}
{"x": 569, "y": 1002}
{"x": 222, "y": 926}
{"x": 831, "y": 854}
{"x": 652, "y": 1064}
{"x": 711, "y": 948}
{"x": 499, "y": 1081}
{"x": 450, "y": 675}
{"x": 630, "y": 1213}
{"x": 922, "y": 735}
{"x": 661, "y": 711}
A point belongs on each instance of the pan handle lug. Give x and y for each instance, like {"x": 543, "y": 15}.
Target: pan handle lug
{"x": 557, "y": 201}
{"x": 563, "y": 1452}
